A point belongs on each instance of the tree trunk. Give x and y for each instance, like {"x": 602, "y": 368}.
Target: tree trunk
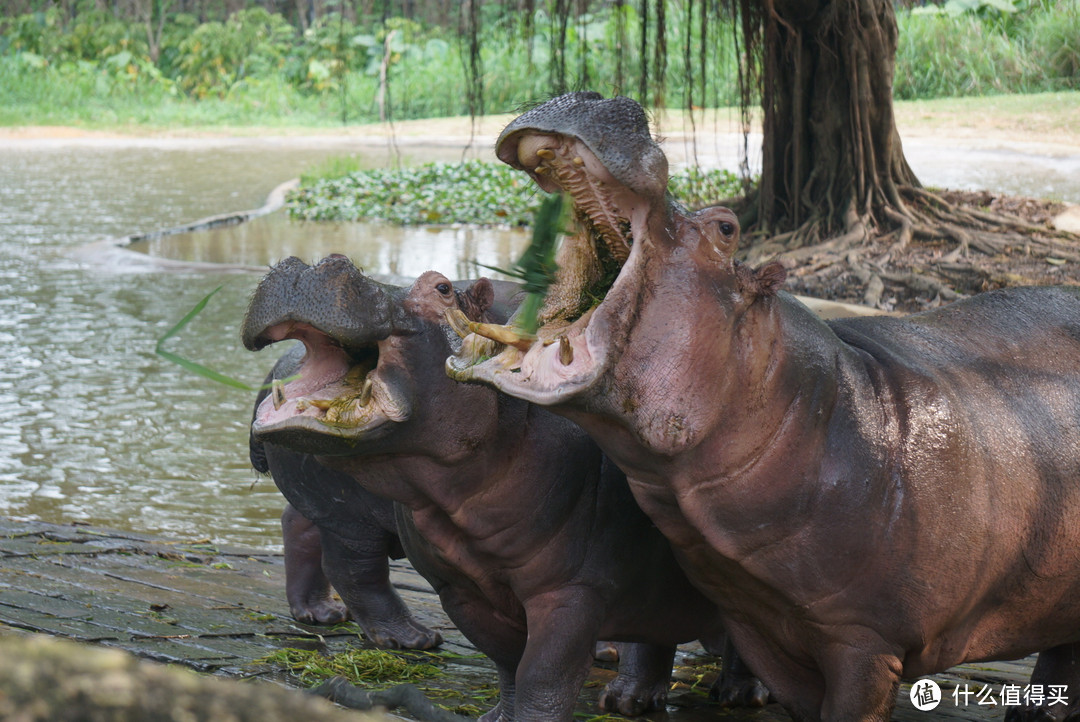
{"x": 832, "y": 159}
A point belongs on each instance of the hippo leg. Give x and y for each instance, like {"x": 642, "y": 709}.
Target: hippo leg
{"x": 737, "y": 686}
{"x": 502, "y": 643}
{"x": 563, "y": 628}
{"x": 306, "y": 586}
{"x": 607, "y": 651}
{"x": 1058, "y": 666}
{"x": 861, "y": 679}
{"x": 360, "y": 573}
{"x": 643, "y": 681}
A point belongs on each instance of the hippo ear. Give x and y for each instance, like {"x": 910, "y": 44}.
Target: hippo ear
{"x": 477, "y": 299}
{"x": 765, "y": 281}
{"x": 770, "y": 278}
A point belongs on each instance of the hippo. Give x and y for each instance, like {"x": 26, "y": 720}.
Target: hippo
{"x": 342, "y": 540}
{"x": 866, "y": 500}
{"x": 528, "y": 534}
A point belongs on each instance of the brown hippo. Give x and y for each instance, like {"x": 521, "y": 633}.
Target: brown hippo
{"x": 867, "y": 500}
{"x": 528, "y": 534}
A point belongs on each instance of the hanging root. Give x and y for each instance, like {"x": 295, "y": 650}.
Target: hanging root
{"x": 931, "y": 248}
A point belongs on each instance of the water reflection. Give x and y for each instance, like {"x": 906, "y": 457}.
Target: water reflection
{"x": 376, "y": 247}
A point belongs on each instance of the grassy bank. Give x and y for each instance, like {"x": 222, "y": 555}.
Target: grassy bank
{"x": 255, "y": 69}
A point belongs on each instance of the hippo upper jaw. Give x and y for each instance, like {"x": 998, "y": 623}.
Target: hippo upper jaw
{"x": 622, "y": 214}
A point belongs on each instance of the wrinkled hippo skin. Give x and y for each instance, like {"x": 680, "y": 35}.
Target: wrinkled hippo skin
{"x": 867, "y": 500}
{"x": 528, "y": 534}
{"x": 337, "y": 534}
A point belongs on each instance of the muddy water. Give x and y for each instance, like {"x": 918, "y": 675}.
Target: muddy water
{"x": 95, "y": 427}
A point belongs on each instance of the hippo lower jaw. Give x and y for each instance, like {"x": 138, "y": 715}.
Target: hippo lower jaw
{"x": 337, "y": 391}
{"x": 569, "y": 354}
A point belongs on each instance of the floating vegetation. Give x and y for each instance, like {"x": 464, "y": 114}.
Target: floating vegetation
{"x": 359, "y": 666}
{"x": 474, "y": 192}
{"x": 697, "y": 188}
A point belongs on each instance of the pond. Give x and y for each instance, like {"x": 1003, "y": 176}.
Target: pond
{"x": 96, "y": 428}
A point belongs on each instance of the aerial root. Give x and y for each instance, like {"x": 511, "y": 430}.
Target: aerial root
{"x": 924, "y": 252}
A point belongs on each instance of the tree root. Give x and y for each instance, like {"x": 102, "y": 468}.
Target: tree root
{"x": 927, "y": 251}
{"x": 341, "y": 691}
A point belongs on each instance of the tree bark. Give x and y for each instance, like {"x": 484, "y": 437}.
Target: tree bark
{"x": 832, "y": 157}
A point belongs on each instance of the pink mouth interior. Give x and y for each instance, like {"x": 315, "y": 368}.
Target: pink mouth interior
{"x": 321, "y": 375}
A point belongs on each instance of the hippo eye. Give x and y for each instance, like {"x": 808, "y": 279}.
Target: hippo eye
{"x": 444, "y": 288}
{"x": 727, "y": 228}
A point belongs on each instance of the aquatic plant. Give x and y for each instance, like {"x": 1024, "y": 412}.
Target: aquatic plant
{"x": 475, "y": 192}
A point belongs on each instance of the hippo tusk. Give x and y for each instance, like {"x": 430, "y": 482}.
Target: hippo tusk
{"x": 566, "y": 351}
{"x": 277, "y": 392}
{"x": 458, "y": 321}
{"x": 503, "y": 334}
{"x": 365, "y": 392}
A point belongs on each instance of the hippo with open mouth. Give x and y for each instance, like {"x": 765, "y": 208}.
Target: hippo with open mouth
{"x": 528, "y": 534}
{"x": 867, "y": 500}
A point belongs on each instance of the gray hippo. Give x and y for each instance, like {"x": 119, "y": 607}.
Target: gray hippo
{"x": 867, "y": 500}
{"x": 341, "y": 540}
{"x": 528, "y": 534}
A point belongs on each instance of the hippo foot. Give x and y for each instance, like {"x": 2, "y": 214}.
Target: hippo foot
{"x": 320, "y": 610}
{"x": 496, "y": 714}
{"x": 401, "y": 634}
{"x": 630, "y": 697}
{"x": 739, "y": 690}
{"x": 1031, "y": 713}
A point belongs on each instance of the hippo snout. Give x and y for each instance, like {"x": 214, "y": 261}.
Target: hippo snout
{"x": 332, "y": 295}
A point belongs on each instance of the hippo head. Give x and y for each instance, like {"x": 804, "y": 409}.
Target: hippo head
{"x": 601, "y": 154}
{"x": 371, "y": 351}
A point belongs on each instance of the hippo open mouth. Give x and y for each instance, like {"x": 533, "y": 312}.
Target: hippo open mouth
{"x": 348, "y": 324}
{"x": 601, "y": 154}
{"x": 335, "y": 390}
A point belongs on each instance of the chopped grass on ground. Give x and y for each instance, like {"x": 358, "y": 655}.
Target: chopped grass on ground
{"x": 359, "y": 666}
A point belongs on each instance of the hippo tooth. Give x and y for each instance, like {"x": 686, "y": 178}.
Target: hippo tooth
{"x": 503, "y": 334}
{"x": 365, "y": 392}
{"x": 545, "y": 153}
{"x": 458, "y": 321}
{"x": 578, "y": 160}
{"x": 566, "y": 351}
{"x": 277, "y": 392}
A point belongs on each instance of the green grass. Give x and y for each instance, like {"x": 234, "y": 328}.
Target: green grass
{"x": 94, "y": 71}
{"x": 940, "y": 55}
